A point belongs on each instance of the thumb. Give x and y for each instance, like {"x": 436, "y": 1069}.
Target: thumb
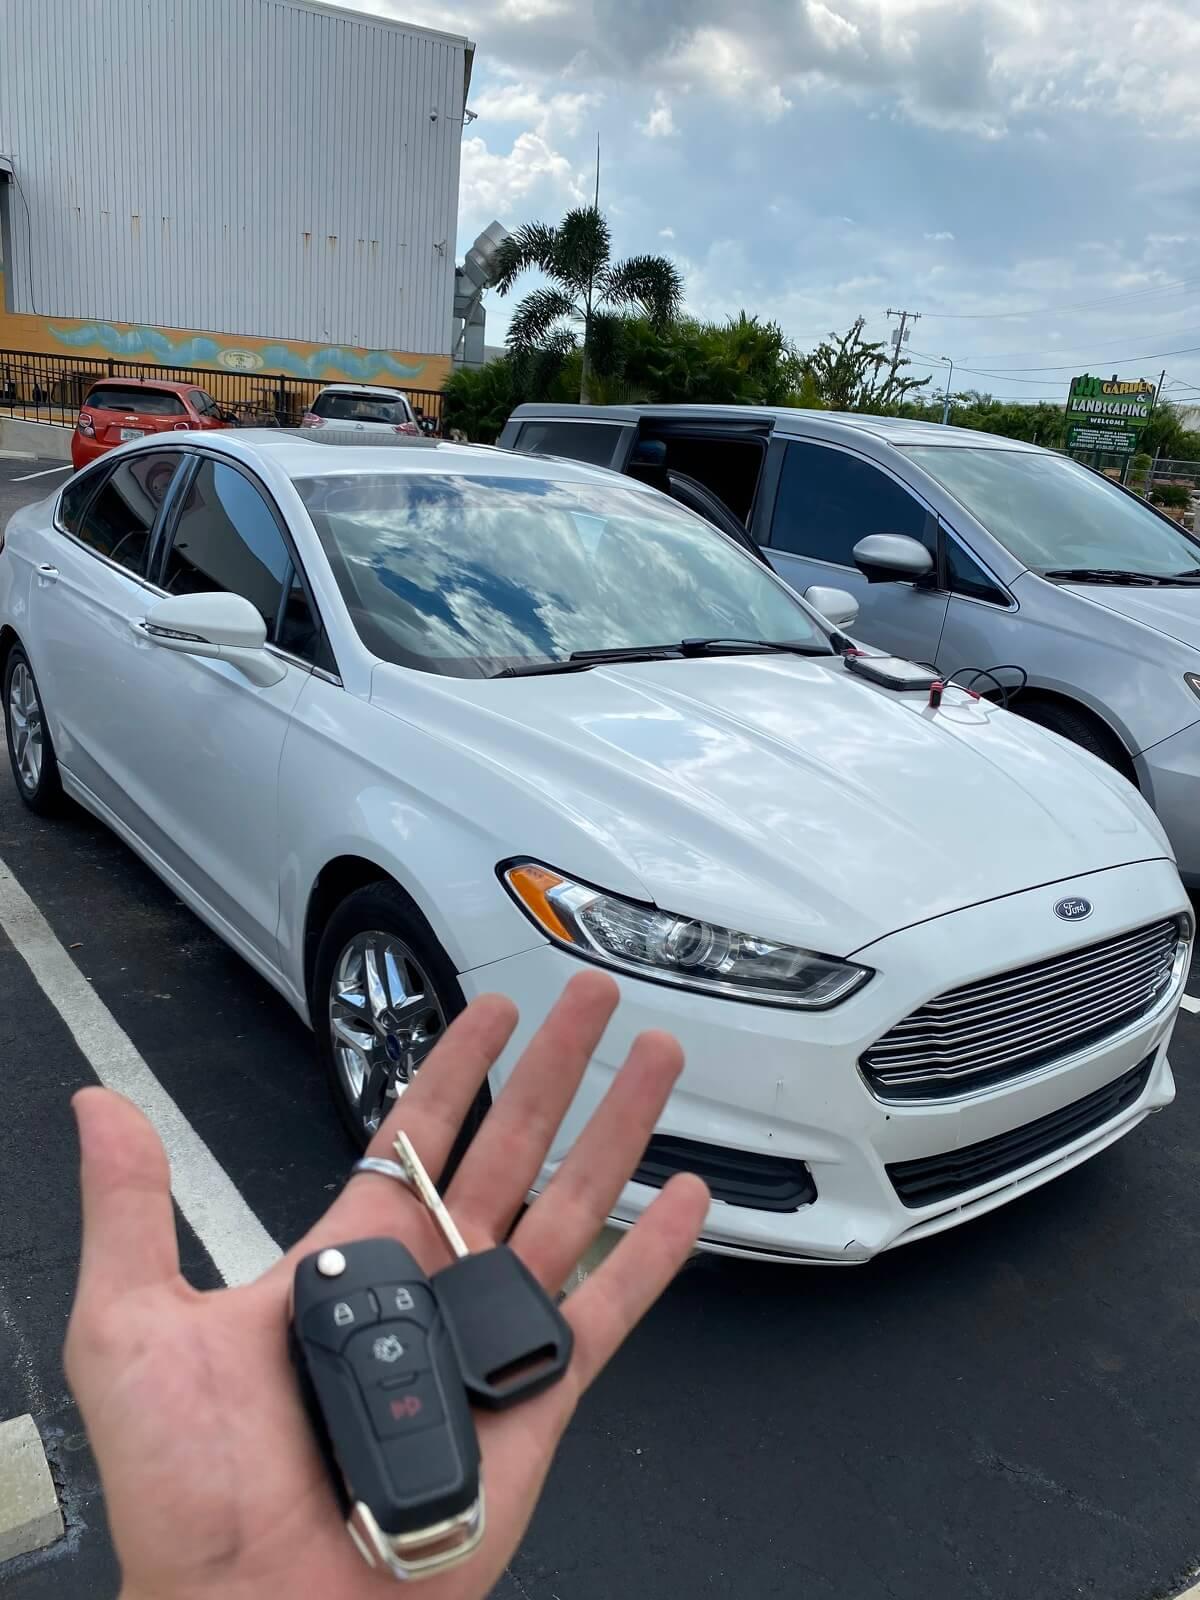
{"x": 128, "y": 1222}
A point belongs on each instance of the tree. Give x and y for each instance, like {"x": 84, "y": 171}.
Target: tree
{"x": 585, "y": 287}
{"x": 855, "y": 374}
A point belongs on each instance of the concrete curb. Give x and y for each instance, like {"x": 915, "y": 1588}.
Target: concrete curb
{"x": 29, "y": 1514}
{"x": 49, "y": 440}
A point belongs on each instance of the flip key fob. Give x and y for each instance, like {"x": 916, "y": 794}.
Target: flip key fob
{"x": 383, "y": 1386}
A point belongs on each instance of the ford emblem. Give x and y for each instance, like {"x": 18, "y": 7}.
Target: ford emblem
{"x": 1073, "y": 909}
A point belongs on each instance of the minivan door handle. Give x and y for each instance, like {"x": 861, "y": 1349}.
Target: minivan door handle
{"x": 47, "y": 573}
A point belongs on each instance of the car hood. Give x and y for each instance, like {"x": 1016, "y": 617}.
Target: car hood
{"x": 777, "y": 795}
{"x": 1173, "y": 611}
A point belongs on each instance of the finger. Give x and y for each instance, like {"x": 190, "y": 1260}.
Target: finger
{"x": 562, "y": 1222}
{"x": 507, "y": 1154}
{"x": 431, "y": 1111}
{"x": 128, "y": 1223}
{"x": 613, "y": 1299}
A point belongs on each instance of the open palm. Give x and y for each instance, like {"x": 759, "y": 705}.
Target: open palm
{"x": 212, "y": 1480}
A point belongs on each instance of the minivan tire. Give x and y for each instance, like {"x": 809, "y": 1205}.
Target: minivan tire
{"x": 38, "y": 783}
{"x": 1076, "y": 726}
{"x": 380, "y": 918}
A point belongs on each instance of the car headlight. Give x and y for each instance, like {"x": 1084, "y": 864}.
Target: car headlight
{"x": 678, "y": 950}
{"x": 1192, "y": 679}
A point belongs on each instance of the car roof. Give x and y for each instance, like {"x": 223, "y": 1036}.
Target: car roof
{"x": 785, "y": 420}
{"x": 118, "y": 382}
{"x": 363, "y": 388}
{"x": 305, "y": 453}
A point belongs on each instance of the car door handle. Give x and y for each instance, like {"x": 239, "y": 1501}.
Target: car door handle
{"x": 47, "y": 573}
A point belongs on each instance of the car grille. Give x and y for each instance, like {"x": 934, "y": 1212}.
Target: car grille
{"x": 988, "y": 1032}
{"x": 932, "y": 1178}
{"x": 739, "y": 1177}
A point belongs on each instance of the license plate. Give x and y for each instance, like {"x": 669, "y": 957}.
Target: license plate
{"x": 132, "y": 433}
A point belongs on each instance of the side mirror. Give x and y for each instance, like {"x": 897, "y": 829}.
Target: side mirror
{"x": 892, "y": 558}
{"x": 836, "y": 605}
{"x": 225, "y": 627}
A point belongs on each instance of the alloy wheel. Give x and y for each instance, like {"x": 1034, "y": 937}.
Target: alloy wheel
{"x": 25, "y": 723}
{"x": 384, "y": 1019}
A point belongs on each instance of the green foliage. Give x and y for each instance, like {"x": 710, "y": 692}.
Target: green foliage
{"x": 584, "y": 284}
{"x": 1172, "y": 495}
{"x": 479, "y": 399}
{"x": 851, "y": 373}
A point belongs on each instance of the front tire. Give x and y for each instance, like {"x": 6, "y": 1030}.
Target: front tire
{"x": 30, "y": 750}
{"x": 384, "y": 992}
{"x": 1075, "y": 726}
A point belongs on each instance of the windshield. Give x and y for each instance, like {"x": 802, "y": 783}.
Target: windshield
{"x": 467, "y": 576}
{"x": 1055, "y": 515}
{"x": 340, "y": 407}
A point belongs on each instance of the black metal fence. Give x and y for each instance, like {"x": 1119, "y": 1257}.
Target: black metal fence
{"x": 50, "y": 388}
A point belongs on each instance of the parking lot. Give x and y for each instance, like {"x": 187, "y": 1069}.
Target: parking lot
{"x": 1004, "y": 1411}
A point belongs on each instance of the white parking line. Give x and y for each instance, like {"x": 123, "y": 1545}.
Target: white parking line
{"x": 240, "y": 1247}
{"x": 47, "y": 473}
{"x": 1190, "y": 1002}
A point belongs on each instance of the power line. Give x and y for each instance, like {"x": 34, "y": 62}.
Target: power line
{"x": 1081, "y": 305}
{"x": 1009, "y": 355}
{"x": 1069, "y": 366}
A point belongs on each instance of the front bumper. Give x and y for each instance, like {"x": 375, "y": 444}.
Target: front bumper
{"x": 785, "y": 1083}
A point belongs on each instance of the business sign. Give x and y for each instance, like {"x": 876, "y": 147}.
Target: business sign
{"x": 1107, "y": 414}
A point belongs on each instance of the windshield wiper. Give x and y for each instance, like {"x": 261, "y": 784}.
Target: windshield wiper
{"x": 581, "y": 660}
{"x": 1104, "y": 575}
{"x": 737, "y": 647}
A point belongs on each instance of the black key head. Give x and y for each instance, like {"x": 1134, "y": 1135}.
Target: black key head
{"x": 510, "y": 1338}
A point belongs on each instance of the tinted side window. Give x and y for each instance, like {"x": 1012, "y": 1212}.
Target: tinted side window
{"x": 299, "y": 631}
{"x": 227, "y": 540}
{"x": 828, "y": 500}
{"x": 118, "y": 522}
{"x": 74, "y": 498}
{"x": 202, "y": 402}
{"x": 968, "y": 577}
{"x": 593, "y": 442}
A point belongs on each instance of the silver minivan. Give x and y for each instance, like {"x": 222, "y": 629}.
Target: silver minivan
{"x": 961, "y": 549}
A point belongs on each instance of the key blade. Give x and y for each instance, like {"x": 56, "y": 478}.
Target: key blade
{"x": 430, "y": 1198}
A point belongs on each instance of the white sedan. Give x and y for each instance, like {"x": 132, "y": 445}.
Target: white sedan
{"x": 406, "y": 725}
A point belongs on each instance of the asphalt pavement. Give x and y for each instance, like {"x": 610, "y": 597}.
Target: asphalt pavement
{"x": 1007, "y": 1411}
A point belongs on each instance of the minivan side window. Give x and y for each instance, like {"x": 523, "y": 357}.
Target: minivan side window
{"x": 965, "y": 576}
{"x": 829, "y": 499}
{"x": 227, "y": 540}
{"x": 593, "y": 442}
{"x": 119, "y": 521}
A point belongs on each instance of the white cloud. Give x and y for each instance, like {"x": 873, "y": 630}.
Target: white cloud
{"x": 660, "y": 124}
{"x": 666, "y": 233}
{"x": 531, "y": 176}
{"x": 545, "y": 114}
{"x": 942, "y": 233}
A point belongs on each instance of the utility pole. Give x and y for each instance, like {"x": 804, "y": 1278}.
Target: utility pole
{"x": 900, "y": 337}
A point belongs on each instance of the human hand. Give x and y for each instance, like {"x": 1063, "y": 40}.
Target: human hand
{"x": 213, "y": 1483}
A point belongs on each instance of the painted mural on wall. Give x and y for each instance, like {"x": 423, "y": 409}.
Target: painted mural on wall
{"x": 206, "y": 350}
{"x": 178, "y": 347}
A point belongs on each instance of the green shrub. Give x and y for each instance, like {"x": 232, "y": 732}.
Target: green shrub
{"x": 1173, "y": 496}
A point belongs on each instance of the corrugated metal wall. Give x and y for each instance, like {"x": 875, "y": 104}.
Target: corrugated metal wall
{"x": 246, "y": 166}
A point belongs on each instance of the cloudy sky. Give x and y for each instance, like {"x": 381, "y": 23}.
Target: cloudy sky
{"x": 1022, "y": 172}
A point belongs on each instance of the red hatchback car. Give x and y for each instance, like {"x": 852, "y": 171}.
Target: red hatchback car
{"x": 116, "y": 409}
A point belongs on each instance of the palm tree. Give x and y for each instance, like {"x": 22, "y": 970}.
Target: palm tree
{"x": 583, "y": 282}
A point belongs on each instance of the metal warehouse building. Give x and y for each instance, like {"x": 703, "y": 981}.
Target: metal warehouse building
{"x": 242, "y": 184}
